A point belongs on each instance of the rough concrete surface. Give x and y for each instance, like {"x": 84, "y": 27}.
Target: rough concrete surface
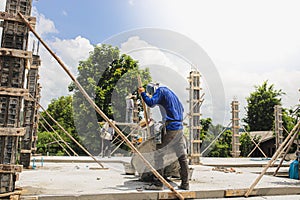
{"x": 82, "y": 178}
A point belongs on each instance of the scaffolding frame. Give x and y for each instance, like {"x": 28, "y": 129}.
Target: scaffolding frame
{"x": 194, "y": 117}
{"x": 235, "y": 126}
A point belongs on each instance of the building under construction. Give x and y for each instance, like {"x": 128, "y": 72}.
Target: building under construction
{"x": 25, "y": 176}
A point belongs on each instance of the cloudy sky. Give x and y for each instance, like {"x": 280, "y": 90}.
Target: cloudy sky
{"x": 234, "y": 44}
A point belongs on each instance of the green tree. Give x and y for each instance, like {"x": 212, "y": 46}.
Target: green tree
{"x": 205, "y": 124}
{"x": 108, "y": 77}
{"x": 246, "y": 144}
{"x": 260, "y": 108}
{"x": 222, "y": 146}
{"x": 61, "y": 110}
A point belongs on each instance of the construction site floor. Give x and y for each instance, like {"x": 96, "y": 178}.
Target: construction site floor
{"x": 82, "y": 178}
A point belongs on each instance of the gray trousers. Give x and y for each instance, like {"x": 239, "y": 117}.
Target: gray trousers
{"x": 172, "y": 141}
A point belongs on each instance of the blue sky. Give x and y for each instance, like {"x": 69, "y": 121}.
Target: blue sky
{"x": 247, "y": 42}
{"x": 95, "y": 20}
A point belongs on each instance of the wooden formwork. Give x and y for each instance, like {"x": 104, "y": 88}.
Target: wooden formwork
{"x": 14, "y": 59}
{"x": 10, "y": 111}
{"x": 30, "y": 118}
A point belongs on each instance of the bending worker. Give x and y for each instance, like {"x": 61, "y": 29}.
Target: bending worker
{"x": 172, "y": 140}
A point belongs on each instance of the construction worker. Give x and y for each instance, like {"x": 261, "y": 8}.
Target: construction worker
{"x": 129, "y": 108}
{"x": 172, "y": 140}
{"x": 107, "y": 133}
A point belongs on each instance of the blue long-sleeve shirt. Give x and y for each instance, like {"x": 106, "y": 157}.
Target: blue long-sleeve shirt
{"x": 170, "y": 107}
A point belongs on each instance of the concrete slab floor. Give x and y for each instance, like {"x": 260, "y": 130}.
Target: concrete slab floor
{"x": 79, "y": 176}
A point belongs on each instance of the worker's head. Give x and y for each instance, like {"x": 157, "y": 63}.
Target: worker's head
{"x": 151, "y": 88}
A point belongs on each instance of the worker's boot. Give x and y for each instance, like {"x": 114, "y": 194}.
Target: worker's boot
{"x": 157, "y": 184}
{"x": 184, "y": 173}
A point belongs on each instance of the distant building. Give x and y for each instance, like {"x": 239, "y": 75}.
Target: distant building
{"x": 267, "y": 143}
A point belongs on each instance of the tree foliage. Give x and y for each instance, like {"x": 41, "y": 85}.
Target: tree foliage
{"x": 260, "y": 108}
{"x": 247, "y": 144}
{"x": 108, "y": 77}
{"x": 222, "y": 146}
{"x": 61, "y": 110}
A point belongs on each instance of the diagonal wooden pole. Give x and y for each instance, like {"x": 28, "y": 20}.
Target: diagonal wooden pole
{"x": 123, "y": 141}
{"x": 56, "y": 139}
{"x": 212, "y": 142}
{"x": 100, "y": 112}
{"x": 275, "y": 156}
{"x": 69, "y": 135}
{"x": 256, "y": 146}
{"x": 286, "y": 150}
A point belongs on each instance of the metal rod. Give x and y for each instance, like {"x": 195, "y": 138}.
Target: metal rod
{"x": 100, "y": 112}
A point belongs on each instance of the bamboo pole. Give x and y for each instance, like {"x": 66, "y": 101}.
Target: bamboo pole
{"x": 144, "y": 107}
{"x": 99, "y": 111}
{"x": 122, "y": 141}
{"x": 278, "y": 152}
{"x": 286, "y": 152}
{"x": 256, "y": 146}
{"x": 69, "y": 135}
{"x": 75, "y": 154}
{"x": 212, "y": 142}
{"x": 55, "y": 138}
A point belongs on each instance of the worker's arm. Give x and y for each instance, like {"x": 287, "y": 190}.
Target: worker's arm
{"x": 156, "y": 98}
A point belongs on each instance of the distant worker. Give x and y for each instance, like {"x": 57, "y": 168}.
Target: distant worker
{"x": 172, "y": 140}
{"x": 129, "y": 108}
{"x": 107, "y": 133}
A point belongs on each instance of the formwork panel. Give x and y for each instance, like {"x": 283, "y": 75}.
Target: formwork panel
{"x": 7, "y": 182}
{"x": 8, "y": 146}
{"x": 10, "y": 111}
{"x": 14, "y": 35}
{"x": 12, "y": 72}
{"x": 15, "y": 6}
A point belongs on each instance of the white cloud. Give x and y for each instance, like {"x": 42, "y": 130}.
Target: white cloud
{"x": 145, "y": 53}
{"x": 170, "y": 70}
{"x": 53, "y": 79}
{"x": 2, "y": 5}
{"x": 44, "y": 26}
{"x": 249, "y": 41}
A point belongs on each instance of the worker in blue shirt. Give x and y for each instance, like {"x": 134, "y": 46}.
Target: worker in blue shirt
{"x": 172, "y": 140}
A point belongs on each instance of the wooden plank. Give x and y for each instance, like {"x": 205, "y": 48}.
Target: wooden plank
{"x": 25, "y": 151}
{"x": 12, "y": 131}
{"x": 14, "y": 91}
{"x": 196, "y": 141}
{"x": 15, "y": 53}
{"x": 17, "y": 18}
{"x": 170, "y": 195}
{"x": 5, "y": 168}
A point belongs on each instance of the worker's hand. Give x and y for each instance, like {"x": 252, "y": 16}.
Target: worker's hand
{"x": 141, "y": 89}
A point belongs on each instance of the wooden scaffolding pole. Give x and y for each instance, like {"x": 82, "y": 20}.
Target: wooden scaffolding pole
{"x": 56, "y": 139}
{"x": 144, "y": 107}
{"x": 69, "y": 135}
{"x": 286, "y": 150}
{"x": 275, "y": 156}
{"x": 99, "y": 111}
